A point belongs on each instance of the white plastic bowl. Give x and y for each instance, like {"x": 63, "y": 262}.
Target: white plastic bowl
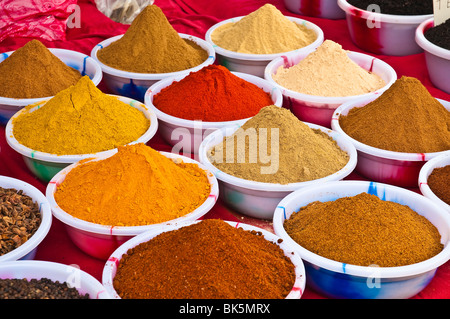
{"x": 319, "y": 109}
{"x": 380, "y": 33}
{"x": 258, "y": 199}
{"x": 133, "y": 84}
{"x": 110, "y": 269}
{"x": 426, "y": 170}
{"x": 436, "y": 58}
{"x": 339, "y": 280}
{"x": 45, "y": 165}
{"x": 79, "y": 61}
{"x": 326, "y": 9}
{"x": 28, "y": 250}
{"x": 187, "y": 135}
{"x": 73, "y": 276}
{"x": 99, "y": 240}
{"x": 397, "y": 168}
{"x": 256, "y": 63}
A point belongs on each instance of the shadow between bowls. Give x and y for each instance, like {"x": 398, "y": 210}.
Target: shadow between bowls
{"x": 340, "y": 280}
{"x": 99, "y": 241}
{"x": 186, "y": 135}
{"x": 258, "y": 199}
{"x": 110, "y": 269}
{"x": 133, "y": 84}
{"x": 45, "y": 165}
{"x": 397, "y": 168}
{"x": 79, "y": 61}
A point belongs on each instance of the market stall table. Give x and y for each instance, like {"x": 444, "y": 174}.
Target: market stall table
{"x": 191, "y": 17}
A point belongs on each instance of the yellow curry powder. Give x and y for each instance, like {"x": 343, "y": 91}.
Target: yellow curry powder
{"x": 136, "y": 186}
{"x": 80, "y": 120}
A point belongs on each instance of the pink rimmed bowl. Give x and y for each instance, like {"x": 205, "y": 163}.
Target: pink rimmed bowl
{"x": 319, "y": 109}
{"x": 110, "y": 269}
{"x": 397, "y": 168}
{"x": 100, "y": 241}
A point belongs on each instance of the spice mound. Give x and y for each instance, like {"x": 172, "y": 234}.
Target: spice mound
{"x": 274, "y": 146}
{"x": 206, "y": 260}
{"x": 439, "y": 35}
{"x": 135, "y": 186}
{"x": 212, "y": 94}
{"x": 264, "y": 31}
{"x": 328, "y": 71}
{"x": 43, "y": 288}
{"x": 82, "y": 114}
{"x": 439, "y": 183}
{"x": 405, "y": 118}
{"x": 152, "y": 45}
{"x": 364, "y": 230}
{"x": 32, "y": 71}
{"x": 20, "y": 218}
{"x": 397, "y": 7}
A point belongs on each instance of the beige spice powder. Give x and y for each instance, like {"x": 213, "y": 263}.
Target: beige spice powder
{"x": 329, "y": 72}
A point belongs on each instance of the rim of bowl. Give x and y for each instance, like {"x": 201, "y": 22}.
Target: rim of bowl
{"x": 56, "y": 51}
{"x": 112, "y": 230}
{"x": 270, "y": 70}
{"x": 207, "y": 143}
{"x": 439, "y": 161}
{"x": 53, "y": 158}
{"x": 355, "y": 270}
{"x": 153, "y": 76}
{"x": 374, "y": 151}
{"x": 30, "y": 269}
{"x": 46, "y": 218}
{"x": 156, "y": 88}
{"x": 289, "y": 251}
{"x": 425, "y": 44}
{"x": 264, "y": 57}
{"x": 383, "y": 17}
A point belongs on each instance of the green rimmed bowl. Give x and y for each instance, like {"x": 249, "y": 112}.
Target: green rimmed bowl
{"x": 45, "y": 165}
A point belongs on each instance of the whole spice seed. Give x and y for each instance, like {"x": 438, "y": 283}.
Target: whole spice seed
{"x": 19, "y": 219}
{"x": 43, "y": 288}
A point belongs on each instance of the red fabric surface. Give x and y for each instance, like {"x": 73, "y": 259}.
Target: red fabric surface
{"x": 191, "y": 17}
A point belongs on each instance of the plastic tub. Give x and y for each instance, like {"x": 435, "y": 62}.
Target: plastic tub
{"x": 110, "y": 269}
{"x": 319, "y": 109}
{"x": 437, "y": 59}
{"x": 79, "y": 61}
{"x": 401, "y": 169}
{"x": 133, "y": 84}
{"x": 327, "y": 9}
{"x": 258, "y": 199}
{"x": 100, "y": 241}
{"x": 27, "y": 250}
{"x": 45, "y": 165}
{"x": 339, "y": 280}
{"x": 73, "y": 276}
{"x": 426, "y": 170}
{"x": 256, "y": 63}
{"x": 187, "y": 135}
{"x": 379, "y": 33}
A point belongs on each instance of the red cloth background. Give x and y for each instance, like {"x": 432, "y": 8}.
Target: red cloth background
{"x": 191, "y": 17}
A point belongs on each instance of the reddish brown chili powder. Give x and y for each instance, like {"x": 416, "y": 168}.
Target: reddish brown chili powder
{"x": 207, "y": 260}
{"x": 439, "y": 183}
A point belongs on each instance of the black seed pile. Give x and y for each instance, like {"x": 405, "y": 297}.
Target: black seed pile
{"x": 439, "y": 35}
{"x": 397, "y": 7}
{"x": 43, "y": 288}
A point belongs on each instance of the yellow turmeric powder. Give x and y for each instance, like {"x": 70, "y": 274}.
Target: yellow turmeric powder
{"x": 136, "y": 186}
{"x": 80, "y": 120}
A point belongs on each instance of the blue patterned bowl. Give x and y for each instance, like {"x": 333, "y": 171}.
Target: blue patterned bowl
{"x": 344, "y": 281}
